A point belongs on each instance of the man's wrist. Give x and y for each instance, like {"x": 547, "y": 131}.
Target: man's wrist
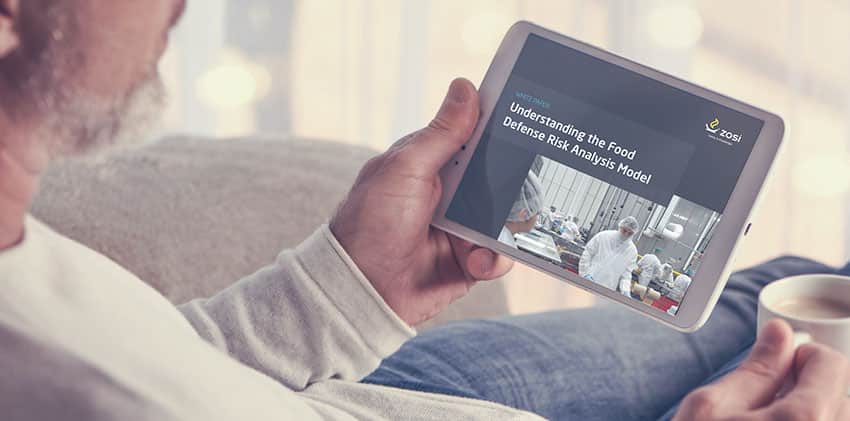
{"x": 330, "y": 266}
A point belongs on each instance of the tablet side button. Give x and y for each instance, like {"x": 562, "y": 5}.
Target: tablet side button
{"x": 747, "y": 230}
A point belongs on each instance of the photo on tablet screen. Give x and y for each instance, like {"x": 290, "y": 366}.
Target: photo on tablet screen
{"x": 643, "y": 249}
{"x": 603, "y": 172}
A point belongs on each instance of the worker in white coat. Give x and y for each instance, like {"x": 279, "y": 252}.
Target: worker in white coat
{"x": 611, "y": 256}
{"x": 649, "y": 268}
{"x": 680, "y": 286}
{"x": 546, "y": 217}
{"x": 524, "y": 212}
{"x": 666, "y": 277}
{"x": 570, "y": 231}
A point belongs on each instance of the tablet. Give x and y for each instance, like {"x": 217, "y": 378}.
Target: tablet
{"x": 612, "y": 176}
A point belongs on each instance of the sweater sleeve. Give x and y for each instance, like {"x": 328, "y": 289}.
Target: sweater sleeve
{"x": 309, "y": 316}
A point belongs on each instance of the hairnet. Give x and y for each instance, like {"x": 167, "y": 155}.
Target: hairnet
{"x": 530, "y": 199}
{"x": 629, "y": 222}
{"x": 650, "y": 258}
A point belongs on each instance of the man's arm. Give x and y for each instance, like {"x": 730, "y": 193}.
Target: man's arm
{"x": 343, "y": 300}
{"x": 309, "y": 316}
{"x": 586, "y": 256}
{"x": 626, "y": 278}
{"x": 626, "y": 284}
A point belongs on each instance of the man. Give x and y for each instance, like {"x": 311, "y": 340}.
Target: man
{"x": 82, "y": 339}
{"x": 680, "y": 287}
{"x": 648, "y": 268}
{"x": 666, "y": 276}
{"x": 609, "y": 257}
{"x": 524, "y": 211}
{"x": 546, "y": 217}
{"x": 569, "y": 229}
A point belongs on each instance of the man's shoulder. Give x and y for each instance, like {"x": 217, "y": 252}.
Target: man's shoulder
{"x": 43, "y": 381}
{"x": 609, "y": 233}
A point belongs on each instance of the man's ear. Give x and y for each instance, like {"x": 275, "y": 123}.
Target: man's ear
{"x": 9, "y": 38}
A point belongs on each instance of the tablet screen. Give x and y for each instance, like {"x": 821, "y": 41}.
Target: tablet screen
{"x": 604, "y": 172}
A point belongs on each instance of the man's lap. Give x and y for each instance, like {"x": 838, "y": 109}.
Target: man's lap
{"x": 597, "y": 363}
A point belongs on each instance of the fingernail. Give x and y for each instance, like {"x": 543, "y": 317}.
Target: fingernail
{"x": 487, "y": 263}
{"x": 458, "y": 91}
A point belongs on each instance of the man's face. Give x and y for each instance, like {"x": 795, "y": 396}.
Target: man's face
{"x": 626, "y": 233}
{"x": 86, "y": 70}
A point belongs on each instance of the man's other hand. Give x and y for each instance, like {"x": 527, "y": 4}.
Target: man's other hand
{"x": 384, "y": 222}
{"x": 749, "y": 393}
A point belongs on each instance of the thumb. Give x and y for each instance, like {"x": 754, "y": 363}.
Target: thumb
{"x": 454, "y": 123}
{"x": 759, "y": 378}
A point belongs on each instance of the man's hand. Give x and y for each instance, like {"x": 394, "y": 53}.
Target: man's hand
{"x": 749, "y": 393}
{"x": 383, "y": 224}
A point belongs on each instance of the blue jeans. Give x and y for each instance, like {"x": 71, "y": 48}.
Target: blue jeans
{"x": 600, "y": 363}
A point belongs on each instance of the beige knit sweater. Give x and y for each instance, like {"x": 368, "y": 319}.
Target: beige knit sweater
{"x": 83, "y": 339}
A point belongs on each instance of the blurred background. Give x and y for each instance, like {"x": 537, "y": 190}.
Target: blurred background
{"x": 368, "y": 71}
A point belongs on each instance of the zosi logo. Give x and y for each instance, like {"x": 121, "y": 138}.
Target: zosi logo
{"x": 720, "y": 134}
{"x": 712, "y": 126}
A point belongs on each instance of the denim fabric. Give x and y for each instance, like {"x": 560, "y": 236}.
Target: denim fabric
{"x": 734, "y": 362}
{"x": 727, "y": 368}
{"x": 845, "y": 270}
{"x": 600, "y": 363}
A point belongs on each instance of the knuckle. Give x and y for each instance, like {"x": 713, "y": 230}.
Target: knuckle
{"x": 403, "y": 141}
{"x": 392, "y": 159}
{"x": 793, "y": 411}
{"x": 402, "y": 150}
{"x": 815, "y": 348}
{"x": 441, "y": 125}
{"x": 703, "y": 402}
{"x": 369, "y": 169}
{"x": 372, "y": 164}
{"x": 758, "y": 368}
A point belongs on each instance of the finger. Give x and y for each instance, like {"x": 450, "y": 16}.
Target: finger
{"x": 759, "y": 377}
{"x": 478, "y": 263}
{"x": 484, "y": 264}
{"x": 461, "y": 250}
{"x": 815, "y": 362}
{"x": 823, "y": 376}
{"x": 433, "y": 146}
{"x": 844, "y": 412}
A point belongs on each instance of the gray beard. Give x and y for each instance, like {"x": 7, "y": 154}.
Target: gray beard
{"x": 68, "y": 119}
{"x": 80, "y": 124}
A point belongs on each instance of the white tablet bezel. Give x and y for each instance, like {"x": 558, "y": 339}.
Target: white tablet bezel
{"x": 714, "y": 270}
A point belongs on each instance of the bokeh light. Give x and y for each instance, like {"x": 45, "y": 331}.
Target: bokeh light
{"x": 823, "y": 175}
{"x": 234, "y": 83}
{"x": 482, "y": 33}
{"x": 674, "y": 25}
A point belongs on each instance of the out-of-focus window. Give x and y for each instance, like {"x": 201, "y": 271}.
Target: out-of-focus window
{"x": 367, "y": 71}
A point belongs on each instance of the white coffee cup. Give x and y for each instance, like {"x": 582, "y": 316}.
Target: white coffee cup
{"x": 790, "y": 298}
